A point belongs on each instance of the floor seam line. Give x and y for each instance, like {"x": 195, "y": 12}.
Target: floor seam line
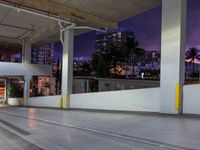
{"x": 107, "y": 133}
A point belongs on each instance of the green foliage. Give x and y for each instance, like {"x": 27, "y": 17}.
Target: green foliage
{"x": 87, "y": 69}
{"x": 133, "y": 47}
{"x": 102, "y": 69}
{"x": 15, "y": 91}
{"x": 99, "y": 65}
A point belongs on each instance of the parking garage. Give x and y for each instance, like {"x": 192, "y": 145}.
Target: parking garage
{"x": 160, "y": 117}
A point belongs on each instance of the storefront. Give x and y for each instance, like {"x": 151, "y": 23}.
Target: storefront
{"x": 2, "y": 90}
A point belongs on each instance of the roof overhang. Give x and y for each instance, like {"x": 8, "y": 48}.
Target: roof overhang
{"x": 38, "y": 19}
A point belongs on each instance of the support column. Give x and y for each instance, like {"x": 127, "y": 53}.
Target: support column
{"x": 27, "y": 80}
{"x": 26, "y": 55}
{"x": 67, "y": 67}
{"x": 172, "y": 54}
{"x": 26, "y": 59}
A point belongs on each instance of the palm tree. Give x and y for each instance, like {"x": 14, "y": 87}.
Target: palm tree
{"x": 132, "y": 45}
{"x": 192, "y": 54}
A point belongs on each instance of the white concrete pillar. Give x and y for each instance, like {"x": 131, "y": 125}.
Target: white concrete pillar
{"x": 27, "y": 80}
{"x": 26, "y": 59}
{"x": 172, "y": 52}
{"x": 67, "y": 67}
{"x": 26, "y": 54}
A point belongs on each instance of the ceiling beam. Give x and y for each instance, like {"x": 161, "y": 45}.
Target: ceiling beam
{"x": 16, "y": 27}
{"x": 45, "y": 32}
{"x": 10, "y": 46}
{"x": 63, "y": 11}
{"x": 10, "y": 39}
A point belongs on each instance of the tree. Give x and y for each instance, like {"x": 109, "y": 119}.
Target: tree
{"x": 133, "y": 46}
{"x": 99, "y": 65}
{"x": 111, "y": 57}
{"x": 117, "y": 56}
{"x": 193, "y": 54}
{"x": 87, "y": 69}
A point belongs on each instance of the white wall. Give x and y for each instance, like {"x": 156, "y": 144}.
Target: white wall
{"x": 129, "y": 100}
{"x": 19, "y": 69}
{"x": 191, "y": 99}
{"x": 44, "y": 101}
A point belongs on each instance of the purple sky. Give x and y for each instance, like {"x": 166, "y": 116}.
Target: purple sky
{"x": 147, "y": 28}
{"x": 84, "y": 44}
{"x": 193, "y": 24}
{"x": 58, "y": 49}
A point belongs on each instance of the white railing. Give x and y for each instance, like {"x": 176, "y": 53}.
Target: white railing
{"x": 19, "y": 69}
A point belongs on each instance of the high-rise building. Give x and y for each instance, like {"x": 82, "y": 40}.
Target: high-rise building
{"x": 152, "y": 56}
{"x": 43, "y": 54}
{"x": 116, "y": 38}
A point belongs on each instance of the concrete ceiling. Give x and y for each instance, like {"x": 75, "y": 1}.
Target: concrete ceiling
{"x": 12, "y": 46}
{"x": 15, "y": 24}
{"x": 114, "y": 10}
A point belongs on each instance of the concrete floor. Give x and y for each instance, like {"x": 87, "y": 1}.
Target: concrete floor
{"x": 38, "y": 129}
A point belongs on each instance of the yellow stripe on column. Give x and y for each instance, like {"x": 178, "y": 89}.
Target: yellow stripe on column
{"x": 178, "y": 95}
{"x": 61, "y": 102}
{"x": 67, "y": 102}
